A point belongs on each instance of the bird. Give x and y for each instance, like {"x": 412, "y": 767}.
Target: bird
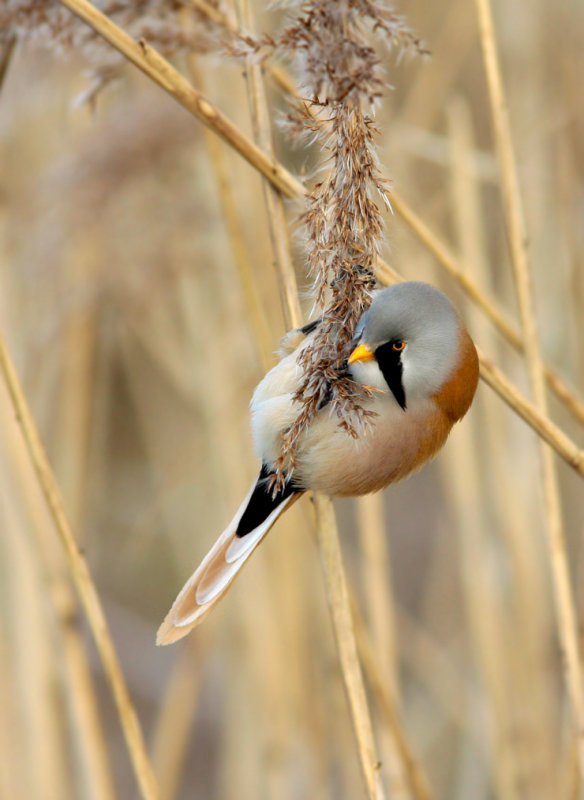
{"x": 415, "y": 355}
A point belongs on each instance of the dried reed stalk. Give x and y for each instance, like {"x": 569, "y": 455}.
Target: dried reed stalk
{"x": 83, "y": 581}
{"x": 541, "y": 423}
{"x": 276, "y": 217}
{"x": 564, "y": 601}
{"x": 338, "y": 598}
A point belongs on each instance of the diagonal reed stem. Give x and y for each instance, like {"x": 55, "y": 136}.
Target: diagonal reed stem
{"x": 541, "y": 424}
{"x": 163, "y": 73}
{"x": 438, "y": 249}
{"x": 83, "y": 581}
{"x": 449, "y": 262}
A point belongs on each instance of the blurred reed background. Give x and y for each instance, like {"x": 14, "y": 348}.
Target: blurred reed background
{"x": 136, "y": 303}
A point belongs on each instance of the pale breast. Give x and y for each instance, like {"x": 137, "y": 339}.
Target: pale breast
{"x": 397, "y": 443}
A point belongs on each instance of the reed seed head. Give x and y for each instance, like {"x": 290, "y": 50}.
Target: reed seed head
{"x": 342, "y": 80}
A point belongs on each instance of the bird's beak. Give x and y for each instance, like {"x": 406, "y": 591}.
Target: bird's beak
{"x": 361, "y": 353}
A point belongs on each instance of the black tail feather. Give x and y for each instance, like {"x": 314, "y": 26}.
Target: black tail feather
{"x": 262, "y": 502}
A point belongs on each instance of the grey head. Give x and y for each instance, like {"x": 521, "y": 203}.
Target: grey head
{"x": 412, "y": 332}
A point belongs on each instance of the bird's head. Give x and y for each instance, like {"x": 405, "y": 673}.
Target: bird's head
{"x": 412, "y": 342}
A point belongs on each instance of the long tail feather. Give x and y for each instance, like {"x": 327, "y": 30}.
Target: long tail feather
{"x": 214, "y": 575}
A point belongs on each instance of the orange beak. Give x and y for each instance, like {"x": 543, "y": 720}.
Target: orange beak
{"x": 361, "y": 353}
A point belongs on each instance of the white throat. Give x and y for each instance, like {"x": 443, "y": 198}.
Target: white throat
{"x": 369, "y": 374}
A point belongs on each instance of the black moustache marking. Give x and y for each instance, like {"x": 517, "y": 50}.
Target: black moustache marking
{"x": 389, "y": 361}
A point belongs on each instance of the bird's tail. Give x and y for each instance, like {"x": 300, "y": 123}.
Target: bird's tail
{"x": 212, "y": 578}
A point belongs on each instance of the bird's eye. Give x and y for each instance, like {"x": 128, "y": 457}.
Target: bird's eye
{"x": 398, "y": 346}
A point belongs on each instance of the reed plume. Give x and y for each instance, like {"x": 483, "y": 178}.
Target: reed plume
{"x": 341, "y": 79}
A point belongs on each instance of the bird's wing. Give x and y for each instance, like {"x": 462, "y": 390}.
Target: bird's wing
{"x": 212, "y": 578}
{"x": 292, "y": 340}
